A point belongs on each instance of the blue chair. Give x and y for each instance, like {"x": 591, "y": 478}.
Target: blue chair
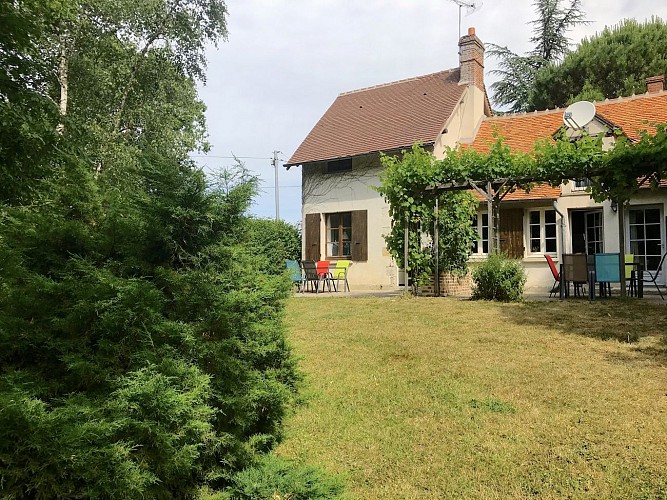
{"x": 295, "y": 273}
{"x": 607, "y": 270}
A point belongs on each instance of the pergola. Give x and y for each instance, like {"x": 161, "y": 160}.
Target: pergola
{"x": 617, "y": 174}
{"x": 493, "y": 192}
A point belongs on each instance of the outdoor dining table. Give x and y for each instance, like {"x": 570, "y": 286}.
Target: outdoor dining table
{"x": 601, "y": 269}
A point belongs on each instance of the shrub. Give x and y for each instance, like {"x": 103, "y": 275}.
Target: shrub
{"x": 499, "y": 278}
{"x": 142, "y": 352}
{"x": 275, "y": 477}
{"x": 272, "y": 242}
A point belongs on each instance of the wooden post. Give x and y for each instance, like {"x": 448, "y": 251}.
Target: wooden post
{"x": 492, "y": 223}
{"x": 436, "y": 238}
{"x": 406, "y": 242}
{"x": 621, "y": 244}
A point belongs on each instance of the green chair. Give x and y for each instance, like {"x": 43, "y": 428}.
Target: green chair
{"x": 630, "y": 274}
{"x": 340, "y": 273}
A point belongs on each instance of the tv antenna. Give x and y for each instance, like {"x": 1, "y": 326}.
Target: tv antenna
{"x": 471, "y": 6}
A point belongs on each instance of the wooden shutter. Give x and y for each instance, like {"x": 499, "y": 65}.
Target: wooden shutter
{"x": 312, "y": 236}
{"x": 511, "y": 232}
{"x": 360, "y": 235}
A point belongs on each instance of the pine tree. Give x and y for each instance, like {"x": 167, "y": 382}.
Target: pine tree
{"x": 613, "y": 63}
{"x": 517, "y": 72}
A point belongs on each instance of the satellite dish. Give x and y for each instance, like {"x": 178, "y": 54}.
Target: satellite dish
{"x": 579, "y": 114}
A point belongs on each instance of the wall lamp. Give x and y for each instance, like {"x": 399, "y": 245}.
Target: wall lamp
{"x": 614, "y": 206}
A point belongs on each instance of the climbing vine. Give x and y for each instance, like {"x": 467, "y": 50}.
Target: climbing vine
{"x": 410, "y": 184}
{"x": 404, "y": 185}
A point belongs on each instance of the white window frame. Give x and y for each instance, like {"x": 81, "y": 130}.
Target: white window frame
{"x": 478, "y": 229}
{"x": 543, "y": 238}
{"x": 663, "y": 230}
{"x": 585, "y": 184}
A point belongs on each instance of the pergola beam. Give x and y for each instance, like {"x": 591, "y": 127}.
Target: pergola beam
{"x": 492, "y": 195}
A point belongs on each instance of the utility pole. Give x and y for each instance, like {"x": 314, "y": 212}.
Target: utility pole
{"x": 274, "y": 162}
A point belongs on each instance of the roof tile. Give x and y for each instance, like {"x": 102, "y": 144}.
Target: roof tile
{"x": 521, "y": 131}
{"x": 383, "y": 118}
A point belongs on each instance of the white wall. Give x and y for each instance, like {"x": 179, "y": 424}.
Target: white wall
{"x": 345, "y": 191}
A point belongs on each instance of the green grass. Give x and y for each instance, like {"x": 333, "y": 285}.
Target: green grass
{"x": 436, "y": 398}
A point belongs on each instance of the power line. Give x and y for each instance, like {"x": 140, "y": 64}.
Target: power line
{"x": 233, "y": 157}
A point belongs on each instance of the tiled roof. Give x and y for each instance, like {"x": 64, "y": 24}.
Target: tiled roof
{"x": 521, "y": 131}
{"x": 538, "y": 192}
{"x": 383, "y": 118}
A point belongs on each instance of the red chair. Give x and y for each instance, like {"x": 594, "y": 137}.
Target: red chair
{"x": 323, "y": 274}
{"x": 554, "y": 271}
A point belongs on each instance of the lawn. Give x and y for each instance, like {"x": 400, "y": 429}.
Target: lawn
{"x": 439, "y": 398}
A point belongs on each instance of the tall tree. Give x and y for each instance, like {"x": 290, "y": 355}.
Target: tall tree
{"x": 613, "y": 63}
{"x": 517, "y": 72}
{"x": 142, "y": 353}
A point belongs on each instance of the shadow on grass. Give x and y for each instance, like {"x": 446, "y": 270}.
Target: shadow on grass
{"x": 614, "y": 319}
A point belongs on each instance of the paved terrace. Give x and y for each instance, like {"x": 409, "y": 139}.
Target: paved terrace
{"x": 650, "y": 294}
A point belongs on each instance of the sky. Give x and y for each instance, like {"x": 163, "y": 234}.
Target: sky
{"x": 285, "y": 61}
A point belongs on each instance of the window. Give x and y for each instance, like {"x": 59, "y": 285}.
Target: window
{"x": 339, "y": 166}
{"x": 542, "y": 231}
{"x": 587, "y": 231}
{"x": 339, "y": 235}
{"x": 646, "y": 236}
{"x": 480, "y": 222}
{"x": 594, "y": 232}
{"x": 345, "y": 235}
{"x": 581, "y": 185}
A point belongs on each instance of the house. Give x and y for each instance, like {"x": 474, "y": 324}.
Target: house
{"x": 344, "y": 217}
{"x": 566, "y": 219}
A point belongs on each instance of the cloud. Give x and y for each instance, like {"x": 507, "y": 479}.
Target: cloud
{"x": 286, "y": 61}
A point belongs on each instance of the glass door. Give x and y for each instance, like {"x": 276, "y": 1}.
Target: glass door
{"x": 646, "y": 237}
{"x": 587, "y": 231}
{"x": 594, "y": 232}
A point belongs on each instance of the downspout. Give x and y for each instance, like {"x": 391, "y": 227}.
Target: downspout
{"x": 562, "y": 228}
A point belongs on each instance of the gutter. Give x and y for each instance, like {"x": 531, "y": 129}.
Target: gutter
{"x": 562, "y": 226}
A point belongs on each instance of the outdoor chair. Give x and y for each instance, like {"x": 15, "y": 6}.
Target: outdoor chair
{"x": 310, "y": 276}
{"x": 652, "y": 277}
{"x": 556, "y": 275}
{"x": 607, "y": 271}
{"x": 630, "y": 274}
{"x": 575, "y": 271}
{"x": 323, "y": 273}
{"x": 295, "y": 273}
{"x": 340, "y": 274}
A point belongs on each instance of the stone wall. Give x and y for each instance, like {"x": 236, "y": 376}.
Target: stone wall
{"x": 450, "y": 285}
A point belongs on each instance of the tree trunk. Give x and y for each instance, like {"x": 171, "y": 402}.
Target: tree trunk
{"x": 63, "y": 80}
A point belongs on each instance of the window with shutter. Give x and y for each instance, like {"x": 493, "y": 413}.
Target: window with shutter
{"x": 511, "y": 233}
{"x": 312, "y": 237}
{"x": 360, "y": 235}
{"x": 347, "y": 235}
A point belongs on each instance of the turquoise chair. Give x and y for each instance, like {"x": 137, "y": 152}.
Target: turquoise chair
{"x": 607, "y": 270}
{"x": 295, "y": 273}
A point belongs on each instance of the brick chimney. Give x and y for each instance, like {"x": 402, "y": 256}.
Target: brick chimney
{"x": 655, "y": 84}
{"x": 471, "y": 60}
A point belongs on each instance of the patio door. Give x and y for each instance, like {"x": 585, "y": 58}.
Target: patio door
{"x": 646, "y": 236}
{"x": 587, "y": 231}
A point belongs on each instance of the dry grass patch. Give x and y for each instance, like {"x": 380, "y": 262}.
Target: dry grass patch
{"x": 441, "y": 398}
